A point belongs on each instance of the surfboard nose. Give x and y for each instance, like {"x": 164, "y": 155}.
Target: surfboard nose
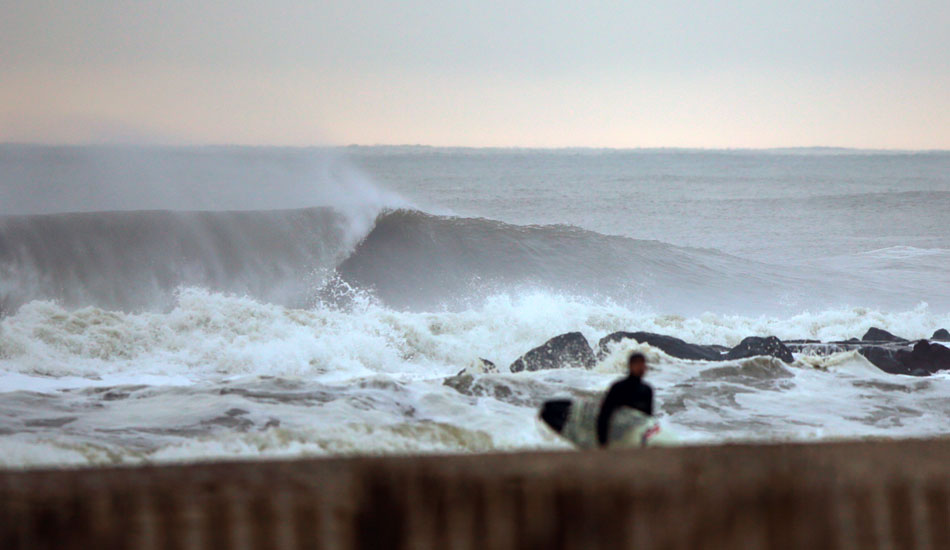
{"x": 554, "y": 413}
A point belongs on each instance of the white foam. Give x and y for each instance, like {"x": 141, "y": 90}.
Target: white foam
{"x": 210, "y": 334}
{"x": 369, "y": 379}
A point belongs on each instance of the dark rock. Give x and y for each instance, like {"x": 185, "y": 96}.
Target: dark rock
{"x": 934, "y": 356}
{"x": 887, "y": 359}
{"x": 755, "y": 346}
{"x": 942, "y": 335}
{"x": 674, "y": 347}
{"x": 566, "y": 350}
{"x": 923, "y": 359}
{"x": 875, "y": 334}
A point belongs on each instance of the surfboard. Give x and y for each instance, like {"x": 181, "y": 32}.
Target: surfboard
{"x": 576, "y": 421}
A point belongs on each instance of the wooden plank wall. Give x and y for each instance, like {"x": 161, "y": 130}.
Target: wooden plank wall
{"x": 857, "y": 495}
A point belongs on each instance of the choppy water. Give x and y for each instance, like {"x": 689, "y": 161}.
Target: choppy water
{"x": 181, "y": 304}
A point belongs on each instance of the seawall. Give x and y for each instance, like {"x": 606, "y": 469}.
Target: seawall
{"x": 881, "y": 494}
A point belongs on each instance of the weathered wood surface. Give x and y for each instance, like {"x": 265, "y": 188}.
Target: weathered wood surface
{"x": 884, "y": 495}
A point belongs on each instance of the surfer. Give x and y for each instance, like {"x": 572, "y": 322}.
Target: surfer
{"x": 629, "y": 392}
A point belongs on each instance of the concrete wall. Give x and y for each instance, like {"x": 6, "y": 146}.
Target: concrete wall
{"x": 884, "y": 495}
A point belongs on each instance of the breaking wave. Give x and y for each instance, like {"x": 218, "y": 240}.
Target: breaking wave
{"x": 409, "y": 260}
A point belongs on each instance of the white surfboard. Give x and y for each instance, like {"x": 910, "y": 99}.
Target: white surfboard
{"x": 576, "y": 421}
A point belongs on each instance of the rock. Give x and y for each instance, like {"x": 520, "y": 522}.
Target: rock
{"x": 923, "y": 359}
{"x": 479, "y": 366}
{"x": 942, "y": 335}
{"x": 933, "y": 357}
{"x": 500, "y": 388}
{"x": 566, "y": 350}
{"x": 890, "y": 360}
{"x": 820, "y": 349}
{"x": 487, "y": 366}
{"x": 755, "y": 346}
{"x": 674, "y": 347}
{"x": 875, "y": 334}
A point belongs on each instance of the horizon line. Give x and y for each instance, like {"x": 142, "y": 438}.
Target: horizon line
{"x": 160, "y": 145}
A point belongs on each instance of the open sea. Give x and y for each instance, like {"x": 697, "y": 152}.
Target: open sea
{"x": 191, "y": 303}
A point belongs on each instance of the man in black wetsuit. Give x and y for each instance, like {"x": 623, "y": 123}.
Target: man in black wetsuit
{"x": 629, "y": 392}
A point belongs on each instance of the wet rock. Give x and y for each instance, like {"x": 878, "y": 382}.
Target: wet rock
{"x": 923, "y": 359}
{"x": 821, "y": 349}
{"x": 479, "y": 366}
{"x": 674, "y": 347}
{"x": 478, "y": 386}
{"x": 755, "y": 346}
{"x": 487, "y": 366}
{"x": 875, "y": 334}
{"x": 934, "y": 357}
{"x": 566, "y": 350}
{"x": 887, "y": 359}
{"x": 942, "y": 335}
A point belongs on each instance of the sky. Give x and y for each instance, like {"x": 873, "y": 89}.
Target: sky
{"x": 553, "y": 73}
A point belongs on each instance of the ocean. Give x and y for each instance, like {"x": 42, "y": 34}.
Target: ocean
{"x": 166, "y": 304}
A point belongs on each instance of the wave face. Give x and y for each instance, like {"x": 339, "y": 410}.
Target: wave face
{"x": 137, "y": 260}
{"x": 413, "y": 260}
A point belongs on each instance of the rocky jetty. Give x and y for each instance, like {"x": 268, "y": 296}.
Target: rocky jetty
{"x": 888, "y": 352}
{"x": 566, "y": 350}
{"x": 752, "y": 346}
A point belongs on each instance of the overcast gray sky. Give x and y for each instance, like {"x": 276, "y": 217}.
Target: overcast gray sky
{"x": 546, "y": 73}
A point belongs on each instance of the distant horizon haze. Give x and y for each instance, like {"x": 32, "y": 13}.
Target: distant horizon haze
{"x": 839, "y": 73}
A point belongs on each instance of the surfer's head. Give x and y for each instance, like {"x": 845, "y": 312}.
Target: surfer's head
{"x": 637, "y": 364}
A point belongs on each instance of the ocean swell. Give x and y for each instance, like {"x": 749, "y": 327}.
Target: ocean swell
{"x": 409, "y": 260}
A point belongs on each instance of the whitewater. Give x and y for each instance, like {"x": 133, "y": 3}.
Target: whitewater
{"x": 195, "y": 303}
